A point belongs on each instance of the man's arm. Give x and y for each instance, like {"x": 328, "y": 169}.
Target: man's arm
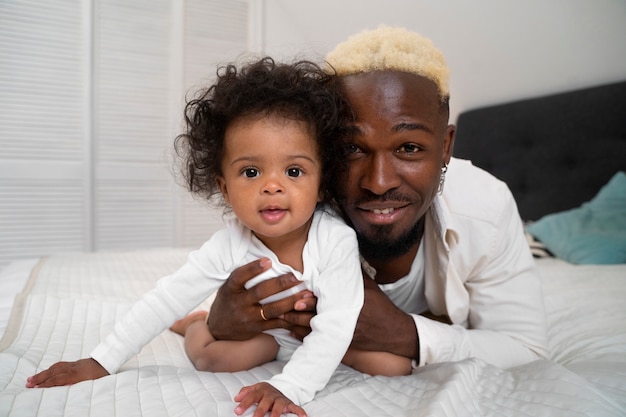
{"x": 384, "y": 327}
{"x": 236, "y": 313}
{"x": 381, "y": 326}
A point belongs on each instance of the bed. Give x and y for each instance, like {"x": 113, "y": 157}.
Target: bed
{"x": 61, "y": 306}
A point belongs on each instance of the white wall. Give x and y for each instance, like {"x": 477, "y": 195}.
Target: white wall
{"x": 497, "y": 50}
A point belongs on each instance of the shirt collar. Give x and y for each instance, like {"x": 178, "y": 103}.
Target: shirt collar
{"x": 443, "y": 222}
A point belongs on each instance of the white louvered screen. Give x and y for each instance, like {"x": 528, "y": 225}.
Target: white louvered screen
{"x": 91, "y": 96}
{"x": 132, "y": 44}
{"x": 43, "y": 69}
{"x": 40, "y": 216}
{"x": 205, "y": 47}
{"x": 198, "y": 220}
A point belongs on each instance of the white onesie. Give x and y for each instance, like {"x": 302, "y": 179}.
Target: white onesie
{"x": 332, "y": 272}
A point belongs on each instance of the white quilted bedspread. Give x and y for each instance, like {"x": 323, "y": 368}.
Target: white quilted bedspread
{"x": 72, "y": 301}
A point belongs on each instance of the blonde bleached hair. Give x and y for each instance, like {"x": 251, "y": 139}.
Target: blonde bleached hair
{"x": 391, "y": 49}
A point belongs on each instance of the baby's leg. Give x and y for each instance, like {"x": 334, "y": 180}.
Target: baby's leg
{"x": 180, "y": 326}
{"x": 208, "y": 354}
{"x": 377, "y": 363}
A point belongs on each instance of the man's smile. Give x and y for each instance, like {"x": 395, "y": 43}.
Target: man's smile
{"x": 382, "y": 207}
{"x": 383, "y": 211}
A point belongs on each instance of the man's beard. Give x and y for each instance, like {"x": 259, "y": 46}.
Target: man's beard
{"x": 380, "y": 245}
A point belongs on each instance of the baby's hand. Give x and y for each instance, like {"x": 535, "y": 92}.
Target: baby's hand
{"x": 267, "y": 398}
{"x": 67, "y": 373}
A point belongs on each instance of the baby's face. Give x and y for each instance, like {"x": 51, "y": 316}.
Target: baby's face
{"x": 271, "y": 175}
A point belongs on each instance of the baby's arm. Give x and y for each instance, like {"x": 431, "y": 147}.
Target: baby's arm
{"x": 172, "y": 298}
{"x": 267, "y": 398}
{"x": 338, "y": 284}
{"x": 67, "y": 373}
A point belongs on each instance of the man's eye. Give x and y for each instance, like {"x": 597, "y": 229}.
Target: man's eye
{"x": 351, "y": 148}
{"x": 251, "y": 172}
{"x": 294, "y": 172}
{"x": 409, "y": 148}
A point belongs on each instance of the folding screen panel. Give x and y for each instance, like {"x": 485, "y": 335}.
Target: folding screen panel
{"x": 91, "y": 97}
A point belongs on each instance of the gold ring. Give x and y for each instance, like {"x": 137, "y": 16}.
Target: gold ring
{"x": 263, "y": 315}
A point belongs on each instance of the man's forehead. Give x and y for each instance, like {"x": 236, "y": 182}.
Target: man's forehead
{"x": 397, "y": 99}
{"x": 389, "y": 80}
{"x": 388, "y": 90}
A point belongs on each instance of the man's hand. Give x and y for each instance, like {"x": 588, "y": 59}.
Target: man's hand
{"x": 67, "y": 373}
{"x": 384, "y": 327}
{"x": 236, "y": 312}
{"x": 299, "y": 319}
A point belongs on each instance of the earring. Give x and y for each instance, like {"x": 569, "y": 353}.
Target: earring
{"x": 442, "y": 178}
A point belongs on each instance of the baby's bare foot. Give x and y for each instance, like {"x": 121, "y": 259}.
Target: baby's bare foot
{"x": 181, "y": 326}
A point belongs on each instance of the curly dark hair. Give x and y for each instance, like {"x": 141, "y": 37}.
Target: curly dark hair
{"x": 300, "y": 91}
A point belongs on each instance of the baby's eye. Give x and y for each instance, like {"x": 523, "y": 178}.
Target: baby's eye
{"x": 251, "y": 172}
{"x": 294, "y": 172}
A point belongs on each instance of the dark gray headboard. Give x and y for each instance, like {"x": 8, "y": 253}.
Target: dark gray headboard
{"x": 554, "y": 152}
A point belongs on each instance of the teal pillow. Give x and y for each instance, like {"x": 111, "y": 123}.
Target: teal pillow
{"x": 594, "y": 233}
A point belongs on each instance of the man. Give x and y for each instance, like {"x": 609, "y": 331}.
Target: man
{"x": 449, "y": 273}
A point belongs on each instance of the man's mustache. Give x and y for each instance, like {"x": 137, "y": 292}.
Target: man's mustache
{"x": 369, "y": 197}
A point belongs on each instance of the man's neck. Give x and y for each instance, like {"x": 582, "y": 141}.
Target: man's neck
{"x": 391, "y": 270}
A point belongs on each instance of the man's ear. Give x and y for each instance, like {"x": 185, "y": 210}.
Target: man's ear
{"x": 221, "y": 182}
{"x": 448, "y": 143}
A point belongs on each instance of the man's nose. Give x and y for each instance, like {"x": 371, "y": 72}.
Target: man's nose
{"x": 380, "y": 175}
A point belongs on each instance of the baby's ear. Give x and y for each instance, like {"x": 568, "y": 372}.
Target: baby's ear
{"x": 223, "y": 189}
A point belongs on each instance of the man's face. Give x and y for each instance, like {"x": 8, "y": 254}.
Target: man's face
{"x": 399, "y": 143}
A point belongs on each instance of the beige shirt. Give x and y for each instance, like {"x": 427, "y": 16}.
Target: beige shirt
{"x": 479, "y": 271}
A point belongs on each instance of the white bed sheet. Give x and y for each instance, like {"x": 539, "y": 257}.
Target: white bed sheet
{"x": 12, "y": 281}
{"x": 75, "y": 300}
